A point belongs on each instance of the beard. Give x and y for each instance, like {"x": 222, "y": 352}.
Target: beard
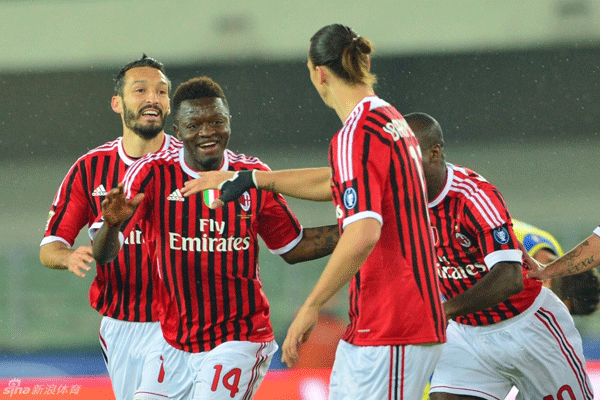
{"x": 146, "y": 131}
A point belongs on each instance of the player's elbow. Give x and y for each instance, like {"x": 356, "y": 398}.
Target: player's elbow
{"x": 103, "y": 258}
{"x": 44, "y": 257}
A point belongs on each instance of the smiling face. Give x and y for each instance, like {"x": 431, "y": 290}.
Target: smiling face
{"x": 144, "y": 104}
{"x": 204, "y": 127}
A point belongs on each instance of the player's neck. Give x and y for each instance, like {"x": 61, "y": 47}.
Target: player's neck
{"x": 436, "y": 185}
{"x": 345, "y": 98}
{"x": 136, "y": 146}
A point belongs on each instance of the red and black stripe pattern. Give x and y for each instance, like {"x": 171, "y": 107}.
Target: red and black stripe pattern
{"x": 122, "y": 289}
{"x": 377, "y": 173}
{"x": 208, "y": 259}
{"x": 473, "y": 232}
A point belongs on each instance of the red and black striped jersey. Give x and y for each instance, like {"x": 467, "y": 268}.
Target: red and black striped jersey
{"x": 376, "y": 165}
{"x": 208, "y": 259}
{"x": 122, "y": 289}
{"x": 473, "y": 232}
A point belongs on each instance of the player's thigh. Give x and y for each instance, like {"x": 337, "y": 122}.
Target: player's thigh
{"x": 382, "y": 372}
{"x": 125, "y": 345}
{"x": 154, "y": 382}
{"x": 232, "y": 370}
{"x": 179, "y": 373}
{"x": 463, "y": 371}
{"x": 552, "y": 365}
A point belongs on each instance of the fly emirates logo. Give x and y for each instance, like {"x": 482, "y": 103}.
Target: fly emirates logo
{"x": 206, "y": 243}
{"x": 448, "y": 271}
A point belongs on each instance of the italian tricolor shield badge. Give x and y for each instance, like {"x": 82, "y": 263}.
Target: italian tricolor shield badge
{"x": 210, "y": 195}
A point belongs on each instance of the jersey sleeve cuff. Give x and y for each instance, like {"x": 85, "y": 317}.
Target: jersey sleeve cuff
{"x": 290, "y": 245}
{"x": 513, "y": 255}
{"x": 361, "y": 215}
{"x": 50, "y": 239}
{"x": 95, "y": 227}
{"x": 597, "y": 231}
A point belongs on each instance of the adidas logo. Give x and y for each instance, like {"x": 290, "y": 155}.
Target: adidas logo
{"x": 176, "y": 196}
{"x": 99, "y": 191}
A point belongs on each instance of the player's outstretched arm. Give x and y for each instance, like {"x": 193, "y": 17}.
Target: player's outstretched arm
{"x": 308, "y": 183}
{"x": 504, "y": 280}
{"x": 585, "y": 256}
{"x": 116, "y": 209}
{"x": 316, "y": 243}
{"x": 355, "y": 245}
{"x": 57, "y": 255}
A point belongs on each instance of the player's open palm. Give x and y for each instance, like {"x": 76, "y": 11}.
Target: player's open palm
{"x": 298, "y": 333}
{"x": 79, "y": 259}
{"x": 116, "y": 208}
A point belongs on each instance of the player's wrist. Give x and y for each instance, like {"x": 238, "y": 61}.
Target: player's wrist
{"x": 111, "y": 224}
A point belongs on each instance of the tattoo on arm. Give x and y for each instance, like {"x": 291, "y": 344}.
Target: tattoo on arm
{"x": 575, "y": 263}
{"x": 269, "y": 187}
{"x": 318, "y": 242}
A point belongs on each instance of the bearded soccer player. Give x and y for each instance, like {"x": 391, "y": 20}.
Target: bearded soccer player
{"x": 504, "y": 329}
{"x": 216, "y": 316}
{"x": 123, "y": 291}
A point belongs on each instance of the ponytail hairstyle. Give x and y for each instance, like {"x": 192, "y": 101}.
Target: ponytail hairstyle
{"x": 344, "y": 52}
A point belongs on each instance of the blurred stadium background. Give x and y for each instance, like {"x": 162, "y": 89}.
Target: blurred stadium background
{"x": 514, "y": 84}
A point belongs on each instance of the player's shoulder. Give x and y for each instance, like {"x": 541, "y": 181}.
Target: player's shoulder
{"x": 173, "y": 143}
{"x": 166, "y": 156}
{"x": 472, "y": 188}
{"x": 108, "y": 149}
{"x": 467, "y": 178}
{"x": 239, "y": 161}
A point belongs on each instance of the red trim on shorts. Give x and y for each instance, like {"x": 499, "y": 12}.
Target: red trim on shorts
{"x": 260, "y": 359}
{"x": 464, "y": 389}
{"x": 102, "y": 340}
{"x": 549, "y": 320}
{"x": 154, "y": 394}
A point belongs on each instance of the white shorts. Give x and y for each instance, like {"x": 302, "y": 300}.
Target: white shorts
{"x": 133, "y": 352}
{"x": 382, "y": 372}
{"x": 538, "y": 351}
{"x": 232, "y": 370}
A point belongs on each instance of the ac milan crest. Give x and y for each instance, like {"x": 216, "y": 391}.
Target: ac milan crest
{"x": 245, "y": 201}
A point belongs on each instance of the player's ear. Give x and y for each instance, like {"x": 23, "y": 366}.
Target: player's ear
{"x": 176, "y": 129}
{"x": 321, "y": 74}
{"x": 435, "y": 153}
{"x": 116, "y": 104}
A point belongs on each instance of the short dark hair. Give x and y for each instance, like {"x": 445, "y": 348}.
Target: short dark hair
{"x": 427, "y": 130}
{"x": 145, "y": 61}
{"x": 345, "y": 52}
{"x": 197, "y": 88}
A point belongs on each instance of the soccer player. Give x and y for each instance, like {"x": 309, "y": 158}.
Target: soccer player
{"x": 123, "y": 291}
{"x": 216, "y": 316}
{"x": 504, "y": 329}
{"x": 386, "y": 248}
{"x": 580, "y": 292}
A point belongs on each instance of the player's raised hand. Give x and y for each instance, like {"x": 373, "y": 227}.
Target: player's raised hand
{"x": 116, "y": 208}
{"x": 298, "y": 333}
{"x": 78, "y": 260}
